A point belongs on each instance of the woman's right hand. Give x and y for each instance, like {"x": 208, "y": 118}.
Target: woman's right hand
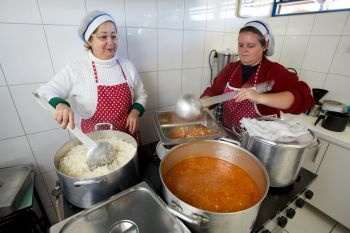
{"x": 64, "y": 115}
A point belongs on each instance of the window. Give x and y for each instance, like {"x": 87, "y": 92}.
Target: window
{"x": 291, "y": 7}
{"x": 254, "y": 8}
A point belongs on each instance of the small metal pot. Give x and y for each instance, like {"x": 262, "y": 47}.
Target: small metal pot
{"x": 205, "y": 221}
{"x": 85, "y": 192}
{"x": 281, "y": 159}
{"x": 315, "y": 110}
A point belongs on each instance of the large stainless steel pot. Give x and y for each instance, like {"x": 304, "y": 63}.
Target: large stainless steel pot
{"x": 281, "y": 159}
{"x": 205, "y": 221}
{"x": 85, "y": 192}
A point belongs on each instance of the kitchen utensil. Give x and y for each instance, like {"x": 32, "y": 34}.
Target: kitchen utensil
{"x": 205, "y": 221}
{"x": 137, "y": 209}
{"x": 315, "y": 110}
{"x": 85, "y": 192}
{"x": 166, "y": 122}
{"x": 334, "y": 121}
{"x": 14, "y": 182}
{"x": 99, "y": 153}
{"x": 190, "y": 107}
{"x": 225, "y": 57}
{"x": 281, "y": 159}
{"x": 317, "y": 94}
{"x": 334, "y": 106}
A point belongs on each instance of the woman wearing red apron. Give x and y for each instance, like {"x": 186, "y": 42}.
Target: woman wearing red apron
{"x": 101, "y": 88}
{"x": 113, "y": 104}
{"x": 288, "y": 94}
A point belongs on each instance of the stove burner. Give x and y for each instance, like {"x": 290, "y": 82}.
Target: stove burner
{"x": 69, "y": 209}
{"x": 280, "y": 190}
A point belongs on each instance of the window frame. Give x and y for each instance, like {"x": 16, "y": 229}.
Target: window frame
{"x": 280, "y": 2}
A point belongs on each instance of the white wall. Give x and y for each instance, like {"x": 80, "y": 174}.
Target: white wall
{"x": 169, "y": 42}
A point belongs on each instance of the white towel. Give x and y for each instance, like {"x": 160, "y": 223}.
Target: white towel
{"x": 277, "y": 130}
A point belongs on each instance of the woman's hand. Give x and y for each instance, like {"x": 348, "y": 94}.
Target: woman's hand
{"x": 132, "y": 122}
{"x": 279, "y": 100}
{"x": 64, "y": 115}
{"x": 247, "y": 94}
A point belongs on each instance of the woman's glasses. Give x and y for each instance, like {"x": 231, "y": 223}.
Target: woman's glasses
{"x": 104, "y": 36}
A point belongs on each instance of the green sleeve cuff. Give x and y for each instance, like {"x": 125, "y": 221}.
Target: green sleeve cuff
{"x": 56, "y": 100}
{"x": 139, "y": 108}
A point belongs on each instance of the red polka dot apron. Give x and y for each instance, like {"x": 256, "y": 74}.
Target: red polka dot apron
{"x": 113, "y": 104}
{"x": 233, "y": 111}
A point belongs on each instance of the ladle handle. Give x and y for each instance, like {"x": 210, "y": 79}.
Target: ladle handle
{"x": 88, "y": 142}
{"x": 206, "y": 102}
{"x": 260, "y": 88}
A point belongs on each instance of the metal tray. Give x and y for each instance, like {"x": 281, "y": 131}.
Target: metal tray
{"x": 14, "y": 182}
{"x": 135, "y": 210}
{"x": 166, "y": 121}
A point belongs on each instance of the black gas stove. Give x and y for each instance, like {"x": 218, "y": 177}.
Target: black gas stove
{"x": 279, "y": 205}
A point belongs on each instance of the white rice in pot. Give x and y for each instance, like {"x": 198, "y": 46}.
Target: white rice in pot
{"x": 74, "y": 162}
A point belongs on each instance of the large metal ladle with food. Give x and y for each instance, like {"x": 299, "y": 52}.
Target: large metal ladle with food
{"x": 99, "y": 153}
{"x": 189, "y": 107}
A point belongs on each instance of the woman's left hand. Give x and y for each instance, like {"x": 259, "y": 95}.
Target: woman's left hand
{"x": 132, "y": 122}
{"x": 247, "y": 94}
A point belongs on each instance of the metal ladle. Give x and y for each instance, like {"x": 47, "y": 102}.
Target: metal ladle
{"x": 189, "y": 107}
{"x": 99, "y": 153}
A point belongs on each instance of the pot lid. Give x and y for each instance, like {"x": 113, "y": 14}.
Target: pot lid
{"x": 135, "y": 210}
{"x": 331, "y": 105}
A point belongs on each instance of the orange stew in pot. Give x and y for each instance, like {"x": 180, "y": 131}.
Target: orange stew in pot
{"x": 212, "y": 184}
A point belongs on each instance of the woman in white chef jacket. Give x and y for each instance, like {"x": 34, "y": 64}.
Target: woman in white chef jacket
{"x": 102, "y": 87}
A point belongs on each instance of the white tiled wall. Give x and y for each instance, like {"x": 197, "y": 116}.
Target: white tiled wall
{"x": 168, "y": 41}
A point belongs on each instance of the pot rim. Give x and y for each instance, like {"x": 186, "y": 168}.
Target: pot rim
{"x": 267, "y": 180}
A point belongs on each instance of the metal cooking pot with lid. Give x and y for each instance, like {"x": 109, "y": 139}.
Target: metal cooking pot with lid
{"x": 281, "y": 159}
{"x": 206, "y": 221}
{"x": 85, "y": 192}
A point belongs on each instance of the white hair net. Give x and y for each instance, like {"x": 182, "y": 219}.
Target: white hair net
{"x": 91, "y": 21}
{"x": 266, "y": 31}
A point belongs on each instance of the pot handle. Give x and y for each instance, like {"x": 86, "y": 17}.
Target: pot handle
{"x": 104, "y": 124}
{"x": 319, "y": 118}
{"x": 230, "y": 141}
{"x": 315, "y": 148}
{"x": 88, "y": 182}
{"x": 194, "y": 219}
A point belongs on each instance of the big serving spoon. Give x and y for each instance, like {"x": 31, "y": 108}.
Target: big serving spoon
{"x": 99, "y": 153}
{"x": 189, "y": 107}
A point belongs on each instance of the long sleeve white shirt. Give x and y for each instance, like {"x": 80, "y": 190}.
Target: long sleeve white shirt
{"x": 76, "y": 83}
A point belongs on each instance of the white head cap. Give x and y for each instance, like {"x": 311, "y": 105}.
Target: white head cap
{"x": 266, "y": 31}
{"x": 91, "y": 21}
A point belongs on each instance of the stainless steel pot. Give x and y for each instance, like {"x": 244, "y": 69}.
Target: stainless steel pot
{"x": 205, "y": 221}
{"x": 85, "y": 192}
{"x": 281, "y": 159}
